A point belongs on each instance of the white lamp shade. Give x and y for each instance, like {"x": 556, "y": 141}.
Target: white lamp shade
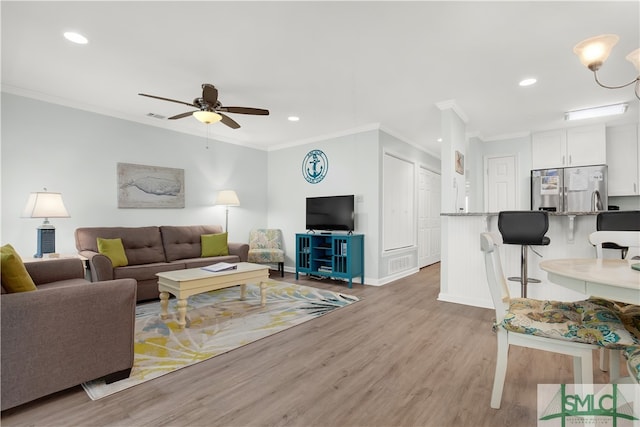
{"x": 634, "y": 58}
{"x": 45, "y": 205}
{"x": 207, "y": 117}
{"x": 227, "y": 198}
{"x": 595, "y": 50}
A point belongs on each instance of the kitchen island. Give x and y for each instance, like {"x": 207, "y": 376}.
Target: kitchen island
{"x": 463, "y": 277}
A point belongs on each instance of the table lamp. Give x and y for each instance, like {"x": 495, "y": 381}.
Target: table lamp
{"x": 45, "y": 205}
{"x": 227, "y": 198}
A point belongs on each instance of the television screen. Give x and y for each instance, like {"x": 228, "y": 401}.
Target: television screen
{"x": 330, "y": 213}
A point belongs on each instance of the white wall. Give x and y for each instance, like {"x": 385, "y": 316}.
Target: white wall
{"x": 521, "y": 148}
{"x": 75, "y": 152}
{"x": 453, "y": 183}
{"x": 396, "y": 147}
{"x": 355, "y": 165}
{"x": 353, "y": 169}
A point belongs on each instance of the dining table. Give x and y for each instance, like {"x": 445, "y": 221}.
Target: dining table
{"x": 607, "y": 278}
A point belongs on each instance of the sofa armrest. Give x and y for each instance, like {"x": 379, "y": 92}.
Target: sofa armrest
{"x": 54, "y": 270}
{"x": 99, "y": 265}
{"x": 239, "y": 249}
{"x": 57, "y": 338}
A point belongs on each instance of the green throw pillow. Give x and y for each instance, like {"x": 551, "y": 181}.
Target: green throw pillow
{"x": 214, "y": 244}
{"x": 15, "y": 277}
{"x": 113, "y": 249}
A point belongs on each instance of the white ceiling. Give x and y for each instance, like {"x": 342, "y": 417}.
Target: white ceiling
{"x": 338, "y": 65}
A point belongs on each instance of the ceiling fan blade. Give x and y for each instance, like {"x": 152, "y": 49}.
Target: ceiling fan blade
{"x": 246, "y": 110}
{"x": 168, "y": 99}
{"x": 181, "y": 116}
{"x": 229, "y": 121}
{"x": 209, "y": 94}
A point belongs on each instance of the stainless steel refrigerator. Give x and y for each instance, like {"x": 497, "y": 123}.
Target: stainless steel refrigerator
{"x": 575, "y": 189}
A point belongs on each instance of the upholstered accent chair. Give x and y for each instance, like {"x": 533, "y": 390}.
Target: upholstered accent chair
{"x": 571, "y": 328}
{"x": 266, "y": 247}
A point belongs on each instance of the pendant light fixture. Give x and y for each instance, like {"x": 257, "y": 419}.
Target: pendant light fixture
{"x": 594, "y": 51}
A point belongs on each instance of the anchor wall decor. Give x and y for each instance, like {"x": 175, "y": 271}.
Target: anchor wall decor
{"x": 315, "y": 166}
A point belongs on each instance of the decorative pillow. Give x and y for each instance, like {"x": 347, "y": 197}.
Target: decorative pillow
{"x": 214, "y": 244}
{"x": 113, "y": 249}
{"x": 15, "y": 277}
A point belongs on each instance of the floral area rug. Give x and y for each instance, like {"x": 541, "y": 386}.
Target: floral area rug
{"x": 217, "y": 322}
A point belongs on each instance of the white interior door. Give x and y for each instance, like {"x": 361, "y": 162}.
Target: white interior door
{"x": 500, "y": 191}
{"x": 428, "y": 217}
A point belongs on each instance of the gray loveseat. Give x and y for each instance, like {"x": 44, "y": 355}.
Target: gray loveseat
{"x": 66, "y": 332}
{"x": 152, "y": 250}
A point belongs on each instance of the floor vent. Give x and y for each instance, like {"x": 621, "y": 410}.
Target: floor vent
{"x": 399, "y": 264}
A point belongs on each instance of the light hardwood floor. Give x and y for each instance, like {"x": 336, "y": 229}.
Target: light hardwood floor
{"x": 399, "y": 357}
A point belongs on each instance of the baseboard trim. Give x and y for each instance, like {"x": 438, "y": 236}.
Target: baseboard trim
{"x": 474, "y": 302}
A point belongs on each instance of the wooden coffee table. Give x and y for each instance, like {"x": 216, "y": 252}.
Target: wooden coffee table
{"x": 193, "y": 281}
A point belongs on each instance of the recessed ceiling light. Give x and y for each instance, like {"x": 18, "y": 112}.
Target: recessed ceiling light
{"x": 293, "y": 118}
{"x": 75, "y": 37}
{"x": 589, "y": 113}
{"x": 439, "y": 139}
{"x": 527, "y": 82}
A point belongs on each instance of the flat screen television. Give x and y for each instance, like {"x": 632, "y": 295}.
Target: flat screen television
{"x": 331, "y": 213}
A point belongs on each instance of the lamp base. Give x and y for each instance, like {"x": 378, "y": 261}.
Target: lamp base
{"x": 46, "y": 241}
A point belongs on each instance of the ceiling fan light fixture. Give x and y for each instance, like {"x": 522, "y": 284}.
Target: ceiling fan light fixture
{"x": 593, "y": 51}
{"x": 634, "y": 58}
{"x": 207, "y": 117}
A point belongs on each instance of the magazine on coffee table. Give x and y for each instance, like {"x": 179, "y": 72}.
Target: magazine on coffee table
{"x": 220, "y": 266}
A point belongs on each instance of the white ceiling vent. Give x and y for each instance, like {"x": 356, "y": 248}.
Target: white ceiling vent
{"x": 156, "y": 116}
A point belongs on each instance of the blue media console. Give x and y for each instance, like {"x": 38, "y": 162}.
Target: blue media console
{"x": 340, "y": 256}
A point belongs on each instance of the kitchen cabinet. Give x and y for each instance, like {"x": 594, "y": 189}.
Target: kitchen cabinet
{"x": 623, "y": 156}
{"x": 579, "y": 146}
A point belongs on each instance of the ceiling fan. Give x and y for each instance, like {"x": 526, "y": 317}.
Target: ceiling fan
{"x": 209, "y": 109}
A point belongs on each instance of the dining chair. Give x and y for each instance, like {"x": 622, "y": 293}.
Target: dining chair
{"x": 629, "y": 314}
{"x": 618, "y": 221}
{"x": 570, "y": 328}
{"x": 626, "y": 239}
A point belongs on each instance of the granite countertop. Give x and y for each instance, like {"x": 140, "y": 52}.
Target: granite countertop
{"x": 496, "y": 213}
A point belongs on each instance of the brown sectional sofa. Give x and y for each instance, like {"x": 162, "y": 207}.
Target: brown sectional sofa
{"x": 66, "y": 332}
{"x": 152, "y": 250}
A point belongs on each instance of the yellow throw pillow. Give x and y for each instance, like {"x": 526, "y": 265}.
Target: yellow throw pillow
{"x": 214, "y": 244}
{"x": 113, "y": 249}
{"x": 15, "y": 277}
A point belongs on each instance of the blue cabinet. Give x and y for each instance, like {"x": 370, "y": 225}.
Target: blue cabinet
{"x": 340, "y": 256}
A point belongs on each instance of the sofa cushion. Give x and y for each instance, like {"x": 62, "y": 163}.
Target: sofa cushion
{"x": 145, "y": 272}
{"x": 114, "y": 250}
{"x": 214, "y": 244}
{"x": 15, "y": 277}
{"x": 142, "y": 245}
{"x": 182, "y": 242}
